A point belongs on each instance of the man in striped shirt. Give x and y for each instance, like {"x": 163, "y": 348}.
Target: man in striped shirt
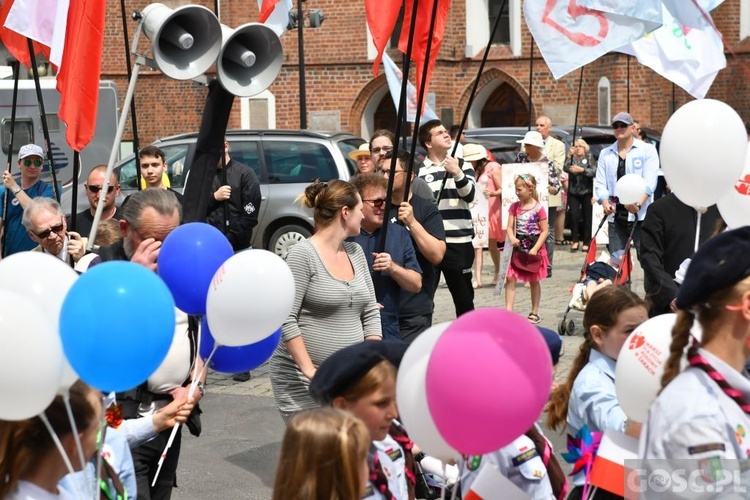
{"x": 452, "y": 183}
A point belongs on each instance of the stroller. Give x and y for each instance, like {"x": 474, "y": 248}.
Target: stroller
{"x": 578, "y": 299}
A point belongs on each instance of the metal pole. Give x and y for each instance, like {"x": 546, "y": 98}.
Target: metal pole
{"x": 531, "y": 79}
{"x": 628, "y": 80}
{"x": 16, "y": 69}
{"x": 74, "y": 190}
{"x": 136, "y": 145}
{"x": 301, "y": 47}
{"x": 43, "y": 116}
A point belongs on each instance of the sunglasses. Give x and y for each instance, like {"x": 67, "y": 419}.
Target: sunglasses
{"x": 96, "y": 189}
{"x": 617, "y": 125}
{"x": 54, "y": 229}
{"x": 36, "y": 163}
{"x": 377, "y": 203}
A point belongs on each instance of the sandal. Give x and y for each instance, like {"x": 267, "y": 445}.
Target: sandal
{"x": 574, "y": 247}
{"x": 585, "y": 248}
{"x": 534, "y": 318}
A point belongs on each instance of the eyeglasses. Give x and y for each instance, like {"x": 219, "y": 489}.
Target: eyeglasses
{"x": 36, "y": 163}
{"x": 96, "y": 189}
{"x": 617, "y": 125}
{"x": 383, "y": 150}
{"x": 387, "y": 173}
{"x": 54, "y": 229}
{"x": 377, "y": 203}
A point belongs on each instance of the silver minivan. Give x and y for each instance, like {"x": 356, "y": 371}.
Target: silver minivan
{"x": 285, "y": 161}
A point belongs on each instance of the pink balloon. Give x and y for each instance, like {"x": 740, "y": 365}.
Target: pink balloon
{"x": 488, "y": 380}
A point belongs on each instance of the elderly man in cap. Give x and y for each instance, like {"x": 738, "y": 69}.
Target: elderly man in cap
{"x": 45, "y": 224}
{"x": 628, "y": 155}
{"x": 30, "y": 161}
{"x": 363, "y": 159}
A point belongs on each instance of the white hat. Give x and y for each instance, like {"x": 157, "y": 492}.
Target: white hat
{"x": 364, "y": 150}
{"x": 30, "y": 150}
{"x": 532, "y": 138}
{"x": 474, "y": 152}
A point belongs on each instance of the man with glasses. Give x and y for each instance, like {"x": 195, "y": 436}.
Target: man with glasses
{"x": 628, "y": 155}
{"x": 30, "y": 162}
{"x": 394, "y": 269}
{"x": 381, "y": 146}
{"x": 425, "y": 225}
{"x": 45, "y": 224}
{"x": 93, "y": 186}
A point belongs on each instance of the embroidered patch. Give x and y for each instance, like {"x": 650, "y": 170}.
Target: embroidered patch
{"x": 703, "y": 448}
{"x": 524, "y": 457}
{"x": 711, "y": 470}
{"x": 249, "y": 208}
{"x": 739, "y": 433}
{"x": 473, "y": 462}
{"x": 394, "y": 454}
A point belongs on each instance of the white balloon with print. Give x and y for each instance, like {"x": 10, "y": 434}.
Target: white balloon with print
{"x": 734, "y": 205}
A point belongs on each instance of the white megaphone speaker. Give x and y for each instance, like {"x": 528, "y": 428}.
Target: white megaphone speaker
{"x": 186, "y": 41}
{"x": 250, "y": 59}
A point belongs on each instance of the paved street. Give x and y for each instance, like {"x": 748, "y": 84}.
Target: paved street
{"x": 236, "y": 455}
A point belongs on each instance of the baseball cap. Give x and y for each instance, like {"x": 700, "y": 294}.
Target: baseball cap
{"x": 30, "y": 150}
{"x": 623, "y": 117}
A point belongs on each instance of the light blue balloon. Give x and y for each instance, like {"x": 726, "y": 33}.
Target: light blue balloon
{"x": 116, "y": 325}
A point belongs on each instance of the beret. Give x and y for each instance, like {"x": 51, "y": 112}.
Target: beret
{"x": 344, "y": 368}
{"x": 554, "y": 342}
{"x": 719, "y": 263}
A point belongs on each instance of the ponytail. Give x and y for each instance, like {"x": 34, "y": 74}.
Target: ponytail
{"x": 557, "y": 409}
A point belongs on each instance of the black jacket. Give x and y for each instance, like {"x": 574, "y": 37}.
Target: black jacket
{"x": 244, "y": 204}
{"x": 667, "y": 239}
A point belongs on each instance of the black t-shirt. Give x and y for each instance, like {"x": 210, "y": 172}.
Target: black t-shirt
{"x": 84, "y": 221}
{"x": 621, "y": 213}
{"x": 421, "y": 303}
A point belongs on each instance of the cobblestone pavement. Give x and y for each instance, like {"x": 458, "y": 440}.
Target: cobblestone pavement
{"x": 555, "y": 298}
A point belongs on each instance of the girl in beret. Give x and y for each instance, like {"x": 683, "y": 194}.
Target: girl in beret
{"x": 323, "y": 457}
{"x": 701, "y": 415}
{"x": 362, "y": 380}
{"x": 588, "y": 396}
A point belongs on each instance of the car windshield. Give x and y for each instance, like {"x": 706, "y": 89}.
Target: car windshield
{"x": 347, "y": 146}
{"x": 175, "y": 155}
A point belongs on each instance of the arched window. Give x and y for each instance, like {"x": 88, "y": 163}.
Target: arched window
{"x": 604, "y": 101}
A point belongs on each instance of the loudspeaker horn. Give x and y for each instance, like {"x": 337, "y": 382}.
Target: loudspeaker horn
{"x": 186, "y": 41}
{"x": 250, "y": 59}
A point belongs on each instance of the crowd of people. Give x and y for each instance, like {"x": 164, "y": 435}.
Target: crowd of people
{"x": 365, "y": 285}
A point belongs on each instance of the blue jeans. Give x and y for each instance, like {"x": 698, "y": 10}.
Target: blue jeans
{"x": 618, "y": 236}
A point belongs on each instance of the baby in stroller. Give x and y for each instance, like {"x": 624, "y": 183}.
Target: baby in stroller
{"x": 600, "y": 274}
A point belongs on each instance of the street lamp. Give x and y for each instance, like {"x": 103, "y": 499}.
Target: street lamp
{"x": 297, "y": 20}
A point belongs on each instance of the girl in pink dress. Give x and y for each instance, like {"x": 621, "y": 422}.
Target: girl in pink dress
{"x": 527, "y": 232}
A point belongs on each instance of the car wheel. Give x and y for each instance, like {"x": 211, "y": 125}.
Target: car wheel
{"x": 285, "y": 238}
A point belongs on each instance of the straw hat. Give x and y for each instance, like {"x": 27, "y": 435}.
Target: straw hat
{"x": 474, "y": 152}
{"x": 364, "y": 150}
{"x": 532, "y": 138}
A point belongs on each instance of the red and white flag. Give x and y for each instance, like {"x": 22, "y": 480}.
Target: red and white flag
{"x": 490, "y": 484}
{"x": 72, "y": 36}
{"x": 275, "y": 14}
{"x": 608, "y": 472}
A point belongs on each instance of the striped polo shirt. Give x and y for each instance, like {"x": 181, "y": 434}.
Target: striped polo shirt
{"x": 457, "y": 195}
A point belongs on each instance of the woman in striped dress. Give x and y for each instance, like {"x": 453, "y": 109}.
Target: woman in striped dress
{"x": 334, "y": 302}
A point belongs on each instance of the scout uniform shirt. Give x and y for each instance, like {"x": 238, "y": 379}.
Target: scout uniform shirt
{"x": 519, "y": 462}
{"x": 693, "y": 418}
{"x": 393, "y": 462}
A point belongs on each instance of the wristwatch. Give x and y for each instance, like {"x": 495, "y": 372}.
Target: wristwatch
{"x": 637, "y": 205}
{"x": 201, "y": 389}
{"x": 16, "y": 190}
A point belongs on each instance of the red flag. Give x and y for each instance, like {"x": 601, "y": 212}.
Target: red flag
{"x": 422, "y": 35}
{"x": 16, "y": 43}
{"x": 266, "y": 9}
{"x": 381, "y": 19}
{"x": 78, "y": 78}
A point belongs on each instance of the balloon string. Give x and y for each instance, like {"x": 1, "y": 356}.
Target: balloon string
{"x": 191, "y": 392}
{"x": 63, "y": 454}
{"x": 697, "y": 230}
{"x": 79, "y": 446}
{"x": 102, "y": 433}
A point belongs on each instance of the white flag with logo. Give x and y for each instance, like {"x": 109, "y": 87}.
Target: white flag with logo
{"x": 686, "y": 12}
{"x": 689, "y": 57}
{"x": 394, "y": 77}
{"x": 570, "y": 35}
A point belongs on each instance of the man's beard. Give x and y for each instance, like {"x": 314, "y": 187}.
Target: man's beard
{"x": 127, "y": 246}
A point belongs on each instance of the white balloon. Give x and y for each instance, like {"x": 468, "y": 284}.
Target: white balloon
{"x": 734, "y": 205}
{"x": 630, "y": 188}
{"x": 31, "y": 357}
{"x": 411, "y": 395}
{"x": 640, "y": 365}
{"x": 45, "y": 279}
{"x": 699, "y": 176}
{"x": 249, "y": 298}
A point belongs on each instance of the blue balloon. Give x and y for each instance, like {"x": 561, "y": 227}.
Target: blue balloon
{"x": 188, "y": 260}
{"x": 237, "y": 359}
{"x": 116, "y": 324}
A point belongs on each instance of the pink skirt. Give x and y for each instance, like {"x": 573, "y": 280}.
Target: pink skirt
{"x": 525, "y": 277}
